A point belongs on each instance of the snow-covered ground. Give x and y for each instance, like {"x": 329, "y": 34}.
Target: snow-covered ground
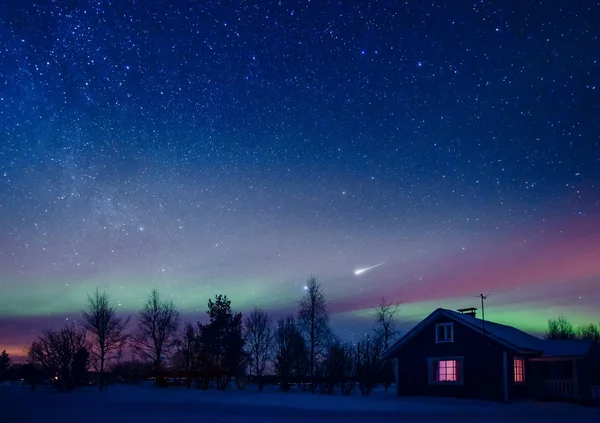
{"x": 149, "y": 405}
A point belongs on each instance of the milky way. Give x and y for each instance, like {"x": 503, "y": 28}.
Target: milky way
{"x": 237, "y": 148}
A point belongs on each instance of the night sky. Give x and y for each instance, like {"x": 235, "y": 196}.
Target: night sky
{"x": 238, "y": 147}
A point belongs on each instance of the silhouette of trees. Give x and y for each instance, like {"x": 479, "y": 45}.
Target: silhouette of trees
{"x": 368, "y": 363}
{"x": 290, "y": 353}
{"x": 156, "y": 334}
{"x": 185, "y": 357}
{"x": 131, "y": 372}
{"x": 301, "y": 349}
{"x": 259, "y": 342}
{"x": 560, "y": 329}
{"x": 32, "y": 374}
{"x": 385, "y": 329}
{"x": 106, "y": 329}
{"x": 55, "y": 350}
{"x": 589, "y": 332}
{"x": 385, "y": 321}
{"x": 81, "y": 361}
{"x": 313, "y": 319}
{"x": 4, "y": 364}
{"x": 339, "y": 368}
{"x": 222, "y": 343}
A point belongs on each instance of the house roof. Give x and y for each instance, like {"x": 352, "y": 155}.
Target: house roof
{"x": 508, "y": 336}
{"x": 566, "y": 348}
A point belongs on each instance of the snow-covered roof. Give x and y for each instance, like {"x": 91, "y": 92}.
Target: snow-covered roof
{"x": 519, "y": 339}
{"x": 507, "y": 335}
{"x": 570, "y": 348}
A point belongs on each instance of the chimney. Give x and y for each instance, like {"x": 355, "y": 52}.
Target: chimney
{"x": 470, "y": 311}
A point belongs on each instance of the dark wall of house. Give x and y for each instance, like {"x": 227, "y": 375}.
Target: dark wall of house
{"x": 593, "y": 366}
{"x": 517, "y": 391}
{"x": 482, "y": 365}
{"x": 552, "y": 370}
{"x": 588, "y": 372}
{"x": 592, "y": 374}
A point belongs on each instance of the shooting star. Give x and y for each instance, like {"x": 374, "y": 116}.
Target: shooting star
{"x": 361, "y": 271}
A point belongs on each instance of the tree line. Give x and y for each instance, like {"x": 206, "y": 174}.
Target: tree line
{"x": 298, "y": 349}
{"x": 561, "y": 329}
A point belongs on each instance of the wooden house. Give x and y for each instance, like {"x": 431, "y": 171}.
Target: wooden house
{"x": 453, "y": 353}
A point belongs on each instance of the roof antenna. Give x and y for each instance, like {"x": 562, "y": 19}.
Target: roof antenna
{"x": 483, "y": 297}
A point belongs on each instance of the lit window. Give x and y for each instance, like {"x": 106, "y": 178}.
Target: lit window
{"x": 519, "y": 367}
{"x": 446, "y": 371}
{"x": 444, "y": 332}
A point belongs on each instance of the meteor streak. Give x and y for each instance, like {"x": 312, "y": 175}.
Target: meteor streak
{"x": 361, "y": 271}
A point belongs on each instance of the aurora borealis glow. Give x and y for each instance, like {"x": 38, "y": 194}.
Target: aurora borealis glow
{"x": 209, "y": 148}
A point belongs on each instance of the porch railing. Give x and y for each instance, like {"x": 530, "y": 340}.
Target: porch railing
{"x": 559, "y": 389}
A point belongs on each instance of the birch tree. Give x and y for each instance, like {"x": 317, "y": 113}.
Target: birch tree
{"x": 259, "y": 342}
{"x": 106, "y": 330}
{"x": 313, "y": 319}
{"x": 156, "y": 333}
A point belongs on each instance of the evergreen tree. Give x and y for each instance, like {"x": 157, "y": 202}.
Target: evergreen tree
{"x": 222, "y": 341}
{"x": 4, "y": 364}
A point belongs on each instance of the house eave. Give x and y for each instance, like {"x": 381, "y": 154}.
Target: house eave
{"x": 527, "y": 352}
{"x": 558, "y": 358}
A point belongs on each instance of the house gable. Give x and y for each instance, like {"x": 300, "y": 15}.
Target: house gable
{"x": 469, "y": 366}
{"x": 441, "y": 316}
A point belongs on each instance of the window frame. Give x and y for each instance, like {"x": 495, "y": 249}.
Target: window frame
{"x": 523, "y": 379}
{"x": 432, "y": 363}
{"x": 437, "y": 332}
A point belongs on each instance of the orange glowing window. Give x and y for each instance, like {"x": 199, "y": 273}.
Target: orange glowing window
{"x": 446, "y": 371}
{"x": 519, "y": 366}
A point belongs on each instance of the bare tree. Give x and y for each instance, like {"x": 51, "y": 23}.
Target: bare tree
{"x": 289, "y": 360}
{"x": 54, "y": 351}
{"x": 560, "y": 328}
{"x": 385, "y": 329}
{"x": 186, "y": 351}
{"x": 313, "y": 318}
{"x": 338, "y": 368}
{"x": 107, "y": 331}
{"x": 157, "y": 331}
{"x": 368, "y": 363}
{"x": 385, "y": 321}
{"x": 259, "y": 341}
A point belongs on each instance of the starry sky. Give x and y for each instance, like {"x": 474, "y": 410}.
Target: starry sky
{"x": 238, "y": 147}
